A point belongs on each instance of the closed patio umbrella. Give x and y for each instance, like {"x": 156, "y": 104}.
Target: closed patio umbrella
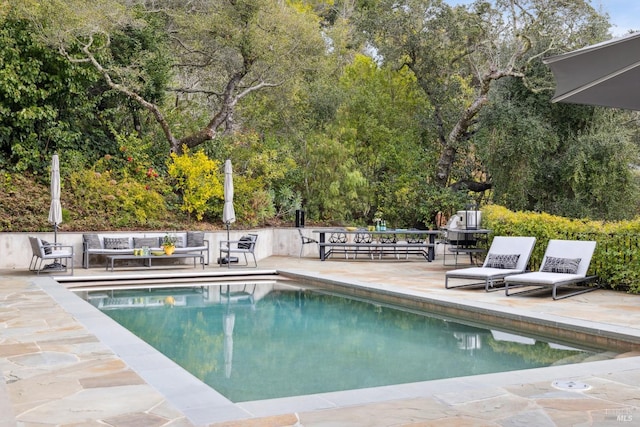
{"x": 55, "y": 210}
{"x": 605, "y": 74}
{"x": 228, "y": 211}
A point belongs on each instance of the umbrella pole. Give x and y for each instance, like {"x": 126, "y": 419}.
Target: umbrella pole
{"x": 228, "y": 247}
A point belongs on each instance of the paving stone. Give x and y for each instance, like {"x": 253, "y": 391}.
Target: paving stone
{"x": 8, "y": 350}
{"x": 48, "y": 359}
{"x": 92, "y": 404}
{"x": 112, "y": 380}
{"x": 136, "y": 420}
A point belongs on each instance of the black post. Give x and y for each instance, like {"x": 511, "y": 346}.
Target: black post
{"x": 299, "y": 218}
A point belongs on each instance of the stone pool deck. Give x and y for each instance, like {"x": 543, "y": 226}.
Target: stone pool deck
{"x": 60, "y": 366}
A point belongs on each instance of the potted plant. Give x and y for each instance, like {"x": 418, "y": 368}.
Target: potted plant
{"x": 169, "y": 243}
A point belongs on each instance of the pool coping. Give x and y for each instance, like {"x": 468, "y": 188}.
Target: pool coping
{"x": 203, "y": 405}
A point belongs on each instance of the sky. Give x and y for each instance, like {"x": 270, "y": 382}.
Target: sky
{"x": 624, "y": 15}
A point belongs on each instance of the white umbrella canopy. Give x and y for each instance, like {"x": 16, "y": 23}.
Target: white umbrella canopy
{"x": 605, "y": 74}
{"x": 55, "y": 210}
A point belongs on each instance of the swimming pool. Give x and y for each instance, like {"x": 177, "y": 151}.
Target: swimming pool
{"x": 266, "y": 340}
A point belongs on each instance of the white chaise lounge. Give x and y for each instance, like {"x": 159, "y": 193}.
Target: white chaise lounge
{"x": 507, "y": 255}
{"x": 565, "y": 263}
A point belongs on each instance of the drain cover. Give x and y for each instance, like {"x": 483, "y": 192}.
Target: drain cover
{"x": 570, "y": 385}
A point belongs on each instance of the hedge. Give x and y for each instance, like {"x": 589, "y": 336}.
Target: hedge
{"x": 616, "y": 260}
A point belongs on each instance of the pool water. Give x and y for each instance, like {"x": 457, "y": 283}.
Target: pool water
{"x": 261, "y": 341}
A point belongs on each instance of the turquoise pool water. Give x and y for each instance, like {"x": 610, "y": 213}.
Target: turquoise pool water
{"x": 260, "y": 341}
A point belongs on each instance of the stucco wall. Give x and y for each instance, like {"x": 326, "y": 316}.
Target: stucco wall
{"x": 15, "y": 251}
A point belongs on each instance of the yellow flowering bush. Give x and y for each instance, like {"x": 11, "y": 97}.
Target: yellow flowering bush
{"x": 196, "y": 177}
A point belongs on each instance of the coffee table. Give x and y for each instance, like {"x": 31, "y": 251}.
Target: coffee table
{"x": 147, "y": 258}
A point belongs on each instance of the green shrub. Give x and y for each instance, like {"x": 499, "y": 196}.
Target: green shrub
{"x": 616, "y": 260}
{"x": 126, "y": 202}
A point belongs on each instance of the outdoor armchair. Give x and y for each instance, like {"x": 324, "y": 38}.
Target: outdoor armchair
{"x": 56, "y": 252}
{"x": 245, "y": 246}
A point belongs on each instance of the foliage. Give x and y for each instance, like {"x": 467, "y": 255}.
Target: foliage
{"x": 197, "y": 179}
{"x": 46, "y": 103}
{"x": 263, "y": 169}
{"x": 615, "y": 259}
{"x": 125, "y": 202}
{"x": 341, "y": 109}
{"x": 24, "y": 203}
{"x": 376, "y": 123}
{"x": 566, "y": 160}
{"x": 169, "y": 240}
{"x": 458, "y": 54}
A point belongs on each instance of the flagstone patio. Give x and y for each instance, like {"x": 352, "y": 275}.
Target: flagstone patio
{"x": 59, "y": 368}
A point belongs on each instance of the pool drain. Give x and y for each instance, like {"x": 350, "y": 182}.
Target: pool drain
{"x": 570, "y": 385}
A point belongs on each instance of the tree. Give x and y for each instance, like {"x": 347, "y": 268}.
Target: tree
{"x": 220, "y": 51}
{"x": 46, "y": 103}
{"x": 457, "y": 54}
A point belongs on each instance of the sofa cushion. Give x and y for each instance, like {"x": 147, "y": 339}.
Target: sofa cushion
{"x": 92, "y": 241}
{"x": 139, "y": 242}
{"x": 195, "y": 239}
{"x": 116, "y": 243}
{"x": 180, "y": 242}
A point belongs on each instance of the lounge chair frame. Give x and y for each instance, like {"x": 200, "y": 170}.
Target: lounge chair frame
{"x": 492, "y": 277}
{"x": 538, "y": 280}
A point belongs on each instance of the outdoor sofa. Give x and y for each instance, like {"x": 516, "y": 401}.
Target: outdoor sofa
{"x": 124, "y": 244}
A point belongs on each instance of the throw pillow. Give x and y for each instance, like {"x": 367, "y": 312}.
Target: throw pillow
{"x": 561, "y": 265}
{"x": 92, "y": 241}
{"x": 116, "y": 243}
{"x": 46, "y": 247}
{"x": 139, "y": 242}
{"x": 195, "y": 239}
{"x": 180, "y": 241}
{"x": 502, "y": 261}
{"x": 245, "y": 245}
